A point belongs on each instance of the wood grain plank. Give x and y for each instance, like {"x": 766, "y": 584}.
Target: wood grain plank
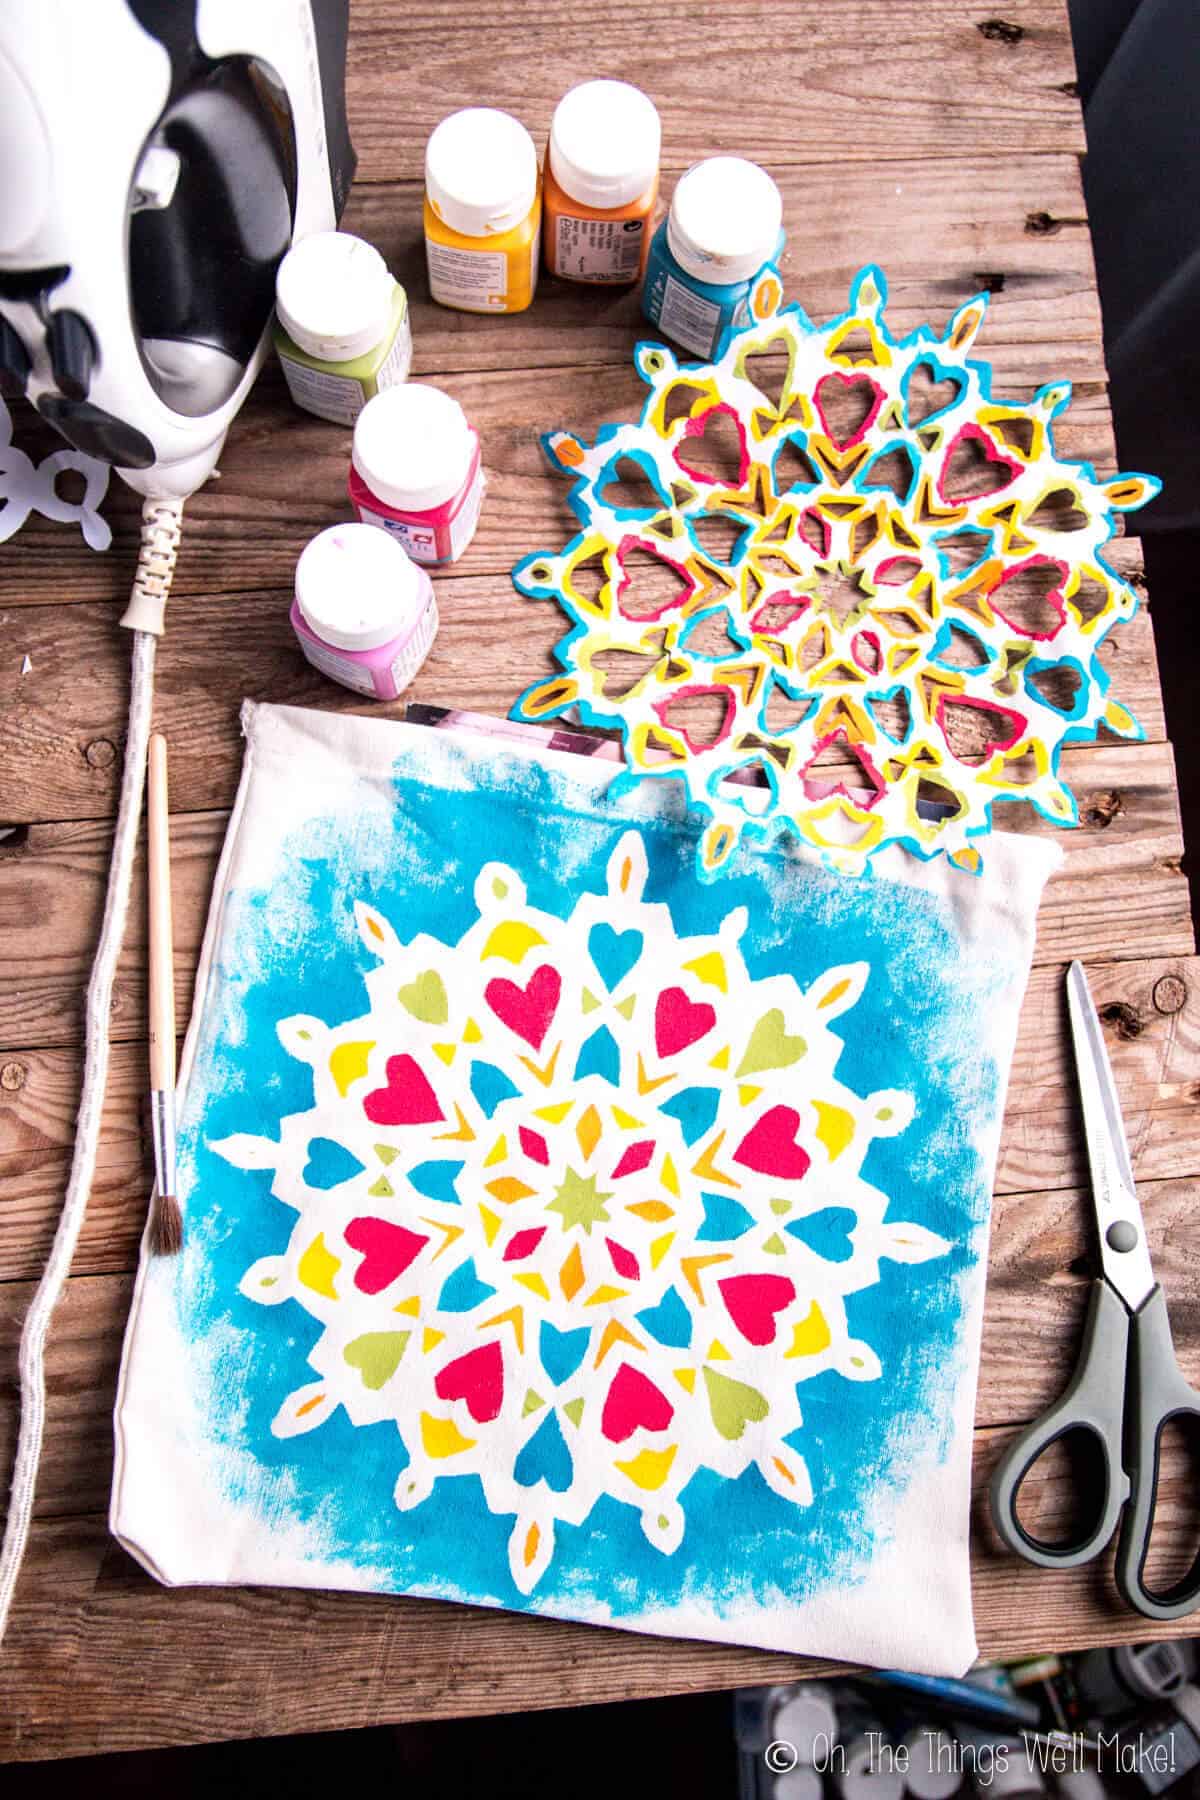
{"x": 283, "y": 473}
{"x": 1120, "y": 892}
{"x": 1151, "y": 1011}
{"x": 875, "y": 79}
{"x": 76, "y": 1678}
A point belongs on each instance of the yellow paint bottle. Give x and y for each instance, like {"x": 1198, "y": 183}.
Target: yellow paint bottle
{"x": 483, "y": 212}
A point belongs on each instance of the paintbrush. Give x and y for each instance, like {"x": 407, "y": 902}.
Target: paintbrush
{"x": 166, "y": 1223}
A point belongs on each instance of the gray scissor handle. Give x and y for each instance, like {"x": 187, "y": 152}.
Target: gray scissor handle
{"x": 1093, "y": 1401}
{"x": 1158, "y": 1394}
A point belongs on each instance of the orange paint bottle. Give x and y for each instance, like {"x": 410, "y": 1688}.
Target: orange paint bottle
{"x": 601, "y": 183}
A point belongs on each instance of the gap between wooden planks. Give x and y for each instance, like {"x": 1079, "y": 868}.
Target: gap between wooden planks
{"x": 806, "y": 85}
{"x": 1151, "y": 1015}
{"x": 567, "y": 362}
{"x": 228, "y": 1663}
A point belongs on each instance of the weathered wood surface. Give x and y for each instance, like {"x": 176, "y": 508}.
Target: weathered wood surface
{"x": 866, "y": 80}
{"x": 940, "y": 144}
{"x": 86, "y": 1669}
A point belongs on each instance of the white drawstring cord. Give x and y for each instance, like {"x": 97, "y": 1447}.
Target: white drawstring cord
{"x": 161, "y": 526}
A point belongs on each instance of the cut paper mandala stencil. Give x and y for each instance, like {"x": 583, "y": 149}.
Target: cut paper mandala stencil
{"x": 578, "y": 1209}
{"x": 880, "y": 616}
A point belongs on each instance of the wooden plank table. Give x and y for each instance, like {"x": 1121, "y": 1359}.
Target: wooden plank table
{"x": 938, "y": 141}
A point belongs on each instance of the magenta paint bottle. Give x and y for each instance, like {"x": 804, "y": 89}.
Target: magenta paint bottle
{"x": 415, "y": 470}
{"x": 364, "y": 612}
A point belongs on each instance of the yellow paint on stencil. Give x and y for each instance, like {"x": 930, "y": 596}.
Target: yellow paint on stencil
{"x": 535, "y": 1283}
{"x": 533, "y": 1538}
{"x": 707, "y": 1167}
{"x": 615, "y": 1333}
{"x": 720, "y": 1060}
{"x": 348, "y": 1064}
{"x": 515, "y": 1316}
{"x": 310, "y": 1405}
{"x": 587, "y": 1131}
{"x": 507, "y": 1188}
{"x": 710, "y": 969}
{"x": 472, "y": 1033}
{"x": 570, "y": 1276}
{"x": 784, "y": 1470}
{"x": 747, "y": 1093}
{"x": 513, "y": 940}
{"x": 835, "y": 1127}
{"x": 441, "y": 1437}
{"x": 445, "y": 1052}
{"x": 543, "y": 1074}
{"x": 811, "y": 1335}
{"x": 692, "y": 1267}
{"x": 645, "y": 1084}
{"x": 670, "y": 1179}
{"x": 431, "y": 1339}
{"x": 686, "y": 1379}
{"x": 717, "y": 1352}
{"x": 411, "y": 1306}
{"x": 649, "y": 1468}
{"x": 554, "y": 1115}
{"x": 604, "y": 1294}
{"x": 318, "y": 1266}
{"x": 625, "y": 1120}
{"x": 659, "y": 1248}
{"x": 491, "y": 1223}
{"x": 654, "y": 1210}
{"x": 464, "y": 1134}
{"x": 497, "y": 1153}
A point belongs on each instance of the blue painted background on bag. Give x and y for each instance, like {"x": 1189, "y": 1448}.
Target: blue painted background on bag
{"x": 296, "y": 948}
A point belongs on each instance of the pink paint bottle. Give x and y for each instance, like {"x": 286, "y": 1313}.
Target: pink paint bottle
{"x": 415, "y": 470}
{"x": 363, "y": 612}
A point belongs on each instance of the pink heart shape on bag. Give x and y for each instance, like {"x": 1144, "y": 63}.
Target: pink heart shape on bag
{"x": 407, "y": 1099}
{"x": 679, "y": 1022}
{"x": 633, "y": 1400}
{"x": 752, "y": 1302}
{"x": 526, "y": 1010}
{"x": 477, "y": 1378}
{"x": 770, "y": 1147}
{"x": 387, "y": 1250}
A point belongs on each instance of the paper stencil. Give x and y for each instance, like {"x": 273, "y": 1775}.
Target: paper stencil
{"x": 26, "y": 486}
{"x": 882, "y": 616}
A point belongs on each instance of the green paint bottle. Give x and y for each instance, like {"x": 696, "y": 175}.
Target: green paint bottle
{"x": 342, "y": 333}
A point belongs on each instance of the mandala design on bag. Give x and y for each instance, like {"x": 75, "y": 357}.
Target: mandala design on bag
{"x": 578, "y": 1207}
{"x": 886, "y": 618}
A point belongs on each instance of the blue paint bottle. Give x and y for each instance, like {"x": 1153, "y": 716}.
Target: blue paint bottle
{"x": 725, "y": 222}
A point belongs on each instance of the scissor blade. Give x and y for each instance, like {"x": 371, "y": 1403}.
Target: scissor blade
{"x": 1123, "y": 1251}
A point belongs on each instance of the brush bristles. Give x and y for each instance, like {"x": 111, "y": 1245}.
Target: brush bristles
{"x": 166, "y": 1226}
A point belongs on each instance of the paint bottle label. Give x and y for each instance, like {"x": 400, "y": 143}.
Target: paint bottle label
{"x": 342, "y": 668}
{"x": 395, "y": 365}
{"x": 690, "y": 319}
{"x": 339, "y": 398}
{"x": 474, "y": 279}
{"x": 598, "y": 249}
{"x": 408, "y": 659}
{"x": 420, "y": 541}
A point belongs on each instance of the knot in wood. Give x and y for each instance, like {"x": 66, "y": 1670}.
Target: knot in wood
{"x": 101, "y": 753}
{"x": 12, "y": 1077}
{"x": 1170, "y": 994}
{"x": 990, "y": 281}
{"x": 1001, "y": 31}
{"x": 1041, "y": 224}
{"x": 1126, "y": 1020}
{"x": 1104, "y": 809}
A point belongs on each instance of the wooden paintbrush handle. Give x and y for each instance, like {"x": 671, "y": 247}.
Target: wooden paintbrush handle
{"x": 162, "y": 961}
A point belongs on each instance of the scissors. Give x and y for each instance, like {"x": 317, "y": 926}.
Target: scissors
{"x": 1127, "y": 1386}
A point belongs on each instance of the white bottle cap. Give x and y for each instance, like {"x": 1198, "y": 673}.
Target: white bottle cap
{"x": 935, "y": 1769}
{"x": 799, "y": 1783}
{"x": 481, "y": 171}
{"x": 724, "y": 221}
{"x": 807, "y": 1720}
{"x": 413, "y": 446}
{"x": 605, "y": 139}
{"x": 333, "y": 294}
{"x": 356, "y": 587}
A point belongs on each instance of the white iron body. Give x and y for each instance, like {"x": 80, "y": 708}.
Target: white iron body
{"x": 84, "y": 150}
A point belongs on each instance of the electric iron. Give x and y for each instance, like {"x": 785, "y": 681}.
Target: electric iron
{"x": 157, "y": 159}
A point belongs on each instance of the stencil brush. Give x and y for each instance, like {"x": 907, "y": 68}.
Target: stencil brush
{"x": 166, "y": 1224}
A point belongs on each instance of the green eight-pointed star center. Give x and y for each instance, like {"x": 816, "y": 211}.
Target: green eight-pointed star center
{"x": 579, "y": 1203}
